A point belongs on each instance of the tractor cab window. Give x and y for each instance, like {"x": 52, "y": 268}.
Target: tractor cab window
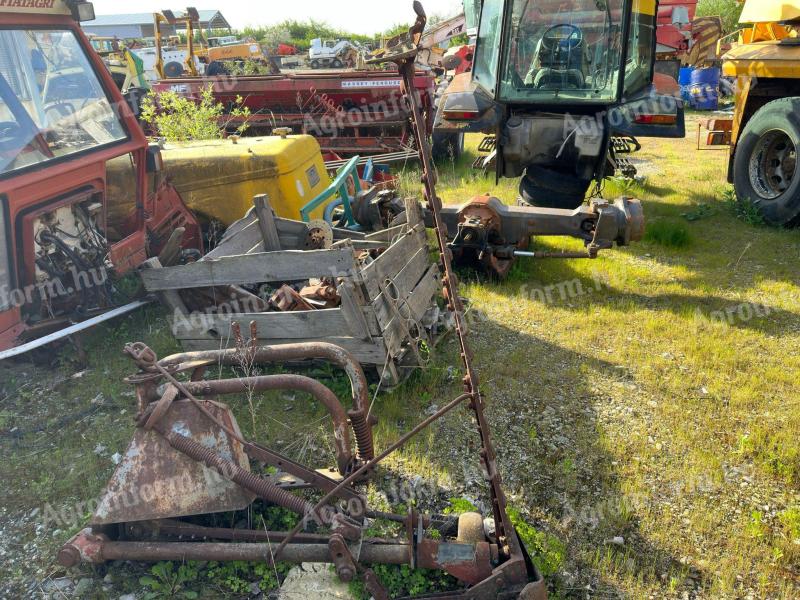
{"x": 490, "y": 32}
{"x": 472, "y": 14}
{"x": 563, "y": 51}
{"x": 51, "y": 102}
{"x": 641, "y": 47}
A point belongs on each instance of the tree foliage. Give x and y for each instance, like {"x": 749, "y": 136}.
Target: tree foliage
{"x": 299, "y": 33}
{"x": 728, "y": 10}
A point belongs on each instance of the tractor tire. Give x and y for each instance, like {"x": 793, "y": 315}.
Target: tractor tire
{"x": 173, "y": 70}
{"x": 315, "y": 64}
{"x": 337, "y": 64}
{"x": 544, "y": 188}
{"x": 448, "y": 146}
{"x": 765, "y": 172}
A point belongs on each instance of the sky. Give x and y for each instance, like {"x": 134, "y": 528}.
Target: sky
{"x": 358, "y": 16}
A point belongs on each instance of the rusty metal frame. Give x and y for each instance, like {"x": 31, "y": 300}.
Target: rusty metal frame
{"x": 497, "y": 568}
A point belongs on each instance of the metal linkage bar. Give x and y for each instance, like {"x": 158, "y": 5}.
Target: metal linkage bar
{"x": 405, "y": 63}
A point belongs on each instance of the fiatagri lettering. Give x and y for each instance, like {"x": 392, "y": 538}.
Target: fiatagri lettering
{"x": 45, "y": 4}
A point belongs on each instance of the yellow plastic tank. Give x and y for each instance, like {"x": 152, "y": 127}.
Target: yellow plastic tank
{"x": 217, "y": 179}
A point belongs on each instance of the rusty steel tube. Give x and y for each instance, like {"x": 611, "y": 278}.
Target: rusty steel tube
{"x": 186, "y": 531}
{"x": 341, "y": 433}
{"x": 102, "y": 550}
{"x": 294, "y": 553}
{"x": 295, "y": 352}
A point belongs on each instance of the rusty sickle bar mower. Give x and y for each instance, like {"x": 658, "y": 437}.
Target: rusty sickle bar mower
{"x": 189, "y": 458}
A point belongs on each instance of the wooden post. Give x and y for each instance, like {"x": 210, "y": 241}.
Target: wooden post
{"x": 413, "y": 212}
{"x": 266, "y": 221}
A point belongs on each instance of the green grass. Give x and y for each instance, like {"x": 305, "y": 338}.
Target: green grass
{"x": 626, "y": 411}
{"x": 651, "y": 392}
{"x": 669, "y": 234}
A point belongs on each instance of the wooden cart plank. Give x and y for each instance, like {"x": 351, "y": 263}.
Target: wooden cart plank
{"x": 391, "y": 262}
{"x": 411, "y": 274}
{"x": 245, "y": 236}
{"x": 405, "y": 282}
{"x": 290, "y": 265}
{"x": 287, "y": 325}
{"x": 415, "y": 304}
{"x": 387, "y": 235}
{"x": 421, "y": 298}
{"x": 266, "y": 222}
{"x": 352, "y": 313}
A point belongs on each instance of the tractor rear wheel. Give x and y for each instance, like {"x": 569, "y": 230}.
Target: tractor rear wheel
{"x": 448, "y": 146}
{"x": 765, "y": 171}
{"x": 545, "y": 188}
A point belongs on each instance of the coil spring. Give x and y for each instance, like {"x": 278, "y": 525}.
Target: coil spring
{"x": 364, "y": 442}
{"x": 263, "y": 489}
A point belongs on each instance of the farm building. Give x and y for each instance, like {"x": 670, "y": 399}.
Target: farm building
{"x": 140, "y": 25}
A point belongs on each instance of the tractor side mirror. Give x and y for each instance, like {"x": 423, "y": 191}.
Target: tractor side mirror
{"x": 83, "y": 11}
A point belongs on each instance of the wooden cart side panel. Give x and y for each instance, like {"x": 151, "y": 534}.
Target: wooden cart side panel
{"x": 353, "y": 312}
{"x": 387, "y": 236}
{"x": 404, "y": 282}
{"x": 285, "y": 325}
{"x": 421, "y": 298}
{"x": 290, "y": 265}
{"x": 391, "y": 262}
{"x": 415, "y": 304}
{"x": 245, "y": 236}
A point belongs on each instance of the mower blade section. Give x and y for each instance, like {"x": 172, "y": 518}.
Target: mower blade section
{"x": 154, "y": 481}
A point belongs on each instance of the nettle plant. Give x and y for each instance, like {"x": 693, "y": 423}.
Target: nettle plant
{"x": 176, "y": 118}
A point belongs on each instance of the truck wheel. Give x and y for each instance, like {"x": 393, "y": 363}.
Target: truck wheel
{"x": 765, "y": 172}
{"x": 448, "y": 145}
{"x": 315, "y": 64}
{"x": 337, "y": 64}
{"x": 544, "y": 188}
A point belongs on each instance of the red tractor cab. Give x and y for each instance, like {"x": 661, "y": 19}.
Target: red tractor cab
{"x": 70, "y": 147}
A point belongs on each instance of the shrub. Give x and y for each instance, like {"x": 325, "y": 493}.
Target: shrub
{"x": 180, "y": 119}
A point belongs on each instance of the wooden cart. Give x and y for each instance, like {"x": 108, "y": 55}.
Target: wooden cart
{"x": 388, "y": 312}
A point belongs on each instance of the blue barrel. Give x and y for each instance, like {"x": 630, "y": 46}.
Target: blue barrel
{"x": 685, "y": 80}
{"x": 704, "y": 88}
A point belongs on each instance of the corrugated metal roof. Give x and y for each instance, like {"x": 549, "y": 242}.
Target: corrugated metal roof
{"x": 213, "y": 17}
{"x": 127, "y": 19}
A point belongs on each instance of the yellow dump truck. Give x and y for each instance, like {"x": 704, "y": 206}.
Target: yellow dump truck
{"x": 765, "y": 132}
{"x": 217, "y": 179}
